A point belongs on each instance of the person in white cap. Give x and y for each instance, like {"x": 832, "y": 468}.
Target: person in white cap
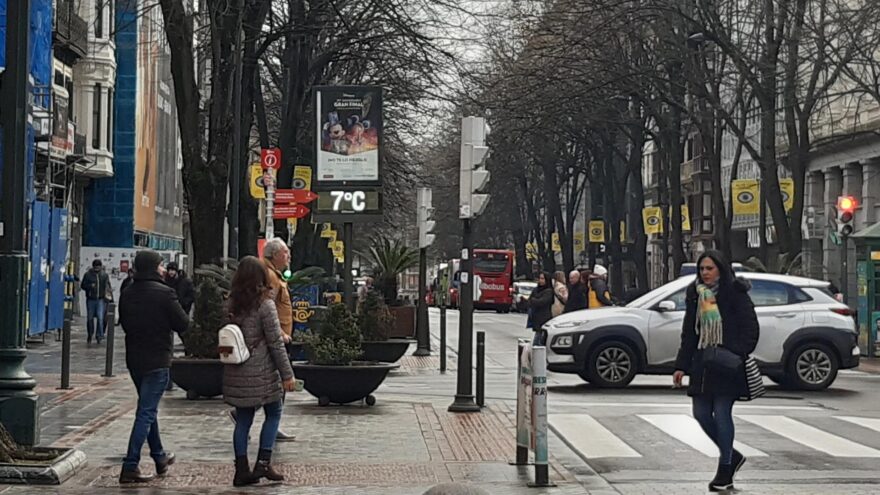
{"x": 598, "y": 296}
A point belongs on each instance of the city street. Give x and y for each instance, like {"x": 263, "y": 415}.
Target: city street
{"x": 642, "y": 438}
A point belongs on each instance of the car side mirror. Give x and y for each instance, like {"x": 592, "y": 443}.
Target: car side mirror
{"x": 665, "y": 306}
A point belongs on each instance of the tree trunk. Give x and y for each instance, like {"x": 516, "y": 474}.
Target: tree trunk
{"x": 204, "y": 183}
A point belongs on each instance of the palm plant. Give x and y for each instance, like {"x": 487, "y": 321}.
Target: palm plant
{"x": 390, "y": 259}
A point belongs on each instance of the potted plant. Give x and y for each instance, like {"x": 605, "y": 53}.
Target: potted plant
{"x": 390, "y": 259}
{"x": 332, "y": 373}
{"x": 376, "y": 322}
{"x": 200, "y": 371}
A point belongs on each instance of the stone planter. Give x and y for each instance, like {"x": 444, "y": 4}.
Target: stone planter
{"x": 404, "y": 322}
{"x": 199, "y": 377}
{"x": 47, "y": 467}
{"x": 342, "y": 384}
{"x": 385, "y": 351}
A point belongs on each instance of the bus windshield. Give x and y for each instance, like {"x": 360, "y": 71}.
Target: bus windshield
{"x": 490, "y": 262}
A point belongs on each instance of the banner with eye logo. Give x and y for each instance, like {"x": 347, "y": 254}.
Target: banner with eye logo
{"x": 597, "y": 231}
{"x": 746, "y": 196}
{"x": 685, "y": 218}
{"x": 786, "y": 188}
{"x": 651, "y": 216}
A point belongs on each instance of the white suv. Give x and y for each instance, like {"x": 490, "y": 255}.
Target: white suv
{"x": 806, "y": 335}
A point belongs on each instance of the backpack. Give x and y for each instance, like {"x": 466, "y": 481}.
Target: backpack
{"x": 231, "y": 345}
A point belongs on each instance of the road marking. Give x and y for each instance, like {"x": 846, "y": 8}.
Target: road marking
{"x": 812, "y": 437}
{"x": 685, "y": 429}
{"x": 683, "y": 405}
{"x": 870, "y": 423}
{"x": 586, "y": 435}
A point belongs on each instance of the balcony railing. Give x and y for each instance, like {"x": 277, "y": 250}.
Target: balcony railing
{"x": 71, "y": 30}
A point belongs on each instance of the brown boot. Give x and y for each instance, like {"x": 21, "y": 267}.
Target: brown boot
{"x": 263, "y": 468}
{"x": 243, "y": 474}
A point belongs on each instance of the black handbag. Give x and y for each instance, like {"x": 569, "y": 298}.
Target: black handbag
{"x": 721, "y": 360}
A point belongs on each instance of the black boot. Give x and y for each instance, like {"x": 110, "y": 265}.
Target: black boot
{"x": 263, "y": 468}
{"x": 737, "y": 461}
{"x": 243, "y": 474}
{"x": 723, "y": 478}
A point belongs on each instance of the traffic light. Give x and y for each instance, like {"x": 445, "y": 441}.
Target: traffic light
{"x": 846, "y": 206}
{"x": 473, "y": 176}
{"x": 425, "y": 213}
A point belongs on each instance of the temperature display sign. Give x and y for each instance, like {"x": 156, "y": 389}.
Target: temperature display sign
{"x": 348, "y": 205}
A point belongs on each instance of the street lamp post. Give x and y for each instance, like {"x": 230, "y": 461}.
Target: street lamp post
{"x": 19, "y": 409}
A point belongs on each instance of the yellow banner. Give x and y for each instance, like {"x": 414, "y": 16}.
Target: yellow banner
{"x": 302, "y": 177}
{"x": 786, "y": 187}
{"x": 256, "y": 182}
{"x": 622, "y": 232}
{"x": 597, "y": 231}
{"x": 531, "y": 251}
{"x": 579, "y": 244}
{"x": 338, "y": 248}
{"x": 746, "y": 196}
{"x": 685, "y": 218}
{"x": 327, "y": 231}
{"x": 554, "y": 242}
{"x": 651, "y": 217}
{"x": 291, "y": 225}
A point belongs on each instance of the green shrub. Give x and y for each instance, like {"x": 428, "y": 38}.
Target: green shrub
{"x": 338, "y": 342}
{"x": 374, "y": 318}
{"x": 200, "y": 339}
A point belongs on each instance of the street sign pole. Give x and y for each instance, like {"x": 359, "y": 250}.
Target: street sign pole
{"x": 423, "y": 334}
{"x": 347, "y": 289}
{"x": 464, "y": 397}
{"x": 270, "y": 205}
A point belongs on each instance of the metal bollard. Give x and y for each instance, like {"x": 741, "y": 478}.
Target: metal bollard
{"x": 111, "y": 329}
{"x": 481, "y": 368}
{"x": 443, "y": 339}
{"x": 65, "y": 349}
{"x": 522, "y": 432}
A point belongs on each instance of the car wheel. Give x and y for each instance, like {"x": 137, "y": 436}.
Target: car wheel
{"x": 611, "y": 364}
{"x": 812, "y": 366}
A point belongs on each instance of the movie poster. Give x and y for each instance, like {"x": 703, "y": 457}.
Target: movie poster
{"x": 349, "y": 120}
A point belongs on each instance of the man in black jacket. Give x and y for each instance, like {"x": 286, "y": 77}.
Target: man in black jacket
{"x": 181, "y": 284}
{"x": 149, "y": 314}
{"x": 96, "y": 284}
{"x": 577, "y": 293}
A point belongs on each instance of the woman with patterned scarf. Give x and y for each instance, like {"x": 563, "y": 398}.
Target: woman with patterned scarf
{"x": 719, "y": 313}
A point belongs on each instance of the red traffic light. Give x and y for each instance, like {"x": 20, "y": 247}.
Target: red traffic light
{"x": 846, "y": 204}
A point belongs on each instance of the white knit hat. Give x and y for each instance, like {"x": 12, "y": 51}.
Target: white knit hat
{"x": 600, "y": 271}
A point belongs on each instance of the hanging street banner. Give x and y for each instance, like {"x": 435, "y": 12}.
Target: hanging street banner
{"x": 579, "y": 244}
{"x": 302, "y": 177}
{"x": 597, "y": 231}
{"x": 685, "y": 219}
{"x": 651, "y": 216}
{"x": 554, "y": 243}
{"x": 349, "y": 134}
{"x": 746, "y": 196}
{"x": 622, "y": 232}
{"x": 531, "y": 250}
{"x": 255, "y": 180}
{"x": 786, "y": 188}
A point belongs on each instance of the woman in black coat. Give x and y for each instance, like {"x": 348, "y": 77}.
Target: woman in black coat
{"x": 719, "y": 313}
{"x": 540, "y": 305}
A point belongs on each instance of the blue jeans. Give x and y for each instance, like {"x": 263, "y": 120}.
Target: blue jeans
{"x": 244, "y": 418}
{"x": 95, "y": 309}
{"x": 150, "y": 388}
{"x": 715, "y": 415}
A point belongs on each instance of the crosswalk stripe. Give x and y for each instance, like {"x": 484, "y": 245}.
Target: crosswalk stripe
{"x": 870, "y": 423}
{"x": 810, "y": 436}
{"x": 589, "y": 437}
{"x": 685, "y": 429}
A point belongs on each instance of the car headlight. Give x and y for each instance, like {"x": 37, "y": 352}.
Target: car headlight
{"x": 563, "y": 341}
{"x": 569, "y": 324}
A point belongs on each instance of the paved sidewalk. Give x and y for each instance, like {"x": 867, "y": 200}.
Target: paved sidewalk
{"x": 869, "y": 365}
{"x": 405, "y": 444}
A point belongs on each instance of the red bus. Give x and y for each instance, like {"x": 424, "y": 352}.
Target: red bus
{"x": 494, "y": 267}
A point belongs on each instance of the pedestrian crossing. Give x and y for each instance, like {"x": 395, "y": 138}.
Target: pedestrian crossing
{"x": 639, "y": 435}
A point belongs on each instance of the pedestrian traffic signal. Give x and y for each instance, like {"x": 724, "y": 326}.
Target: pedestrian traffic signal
{"x": 473, "y": 176}
{"x": 846, "y": 206}
{"x": 425, "y": 213}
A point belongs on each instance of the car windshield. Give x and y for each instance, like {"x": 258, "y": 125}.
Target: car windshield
{"x": 656, "y": 293}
